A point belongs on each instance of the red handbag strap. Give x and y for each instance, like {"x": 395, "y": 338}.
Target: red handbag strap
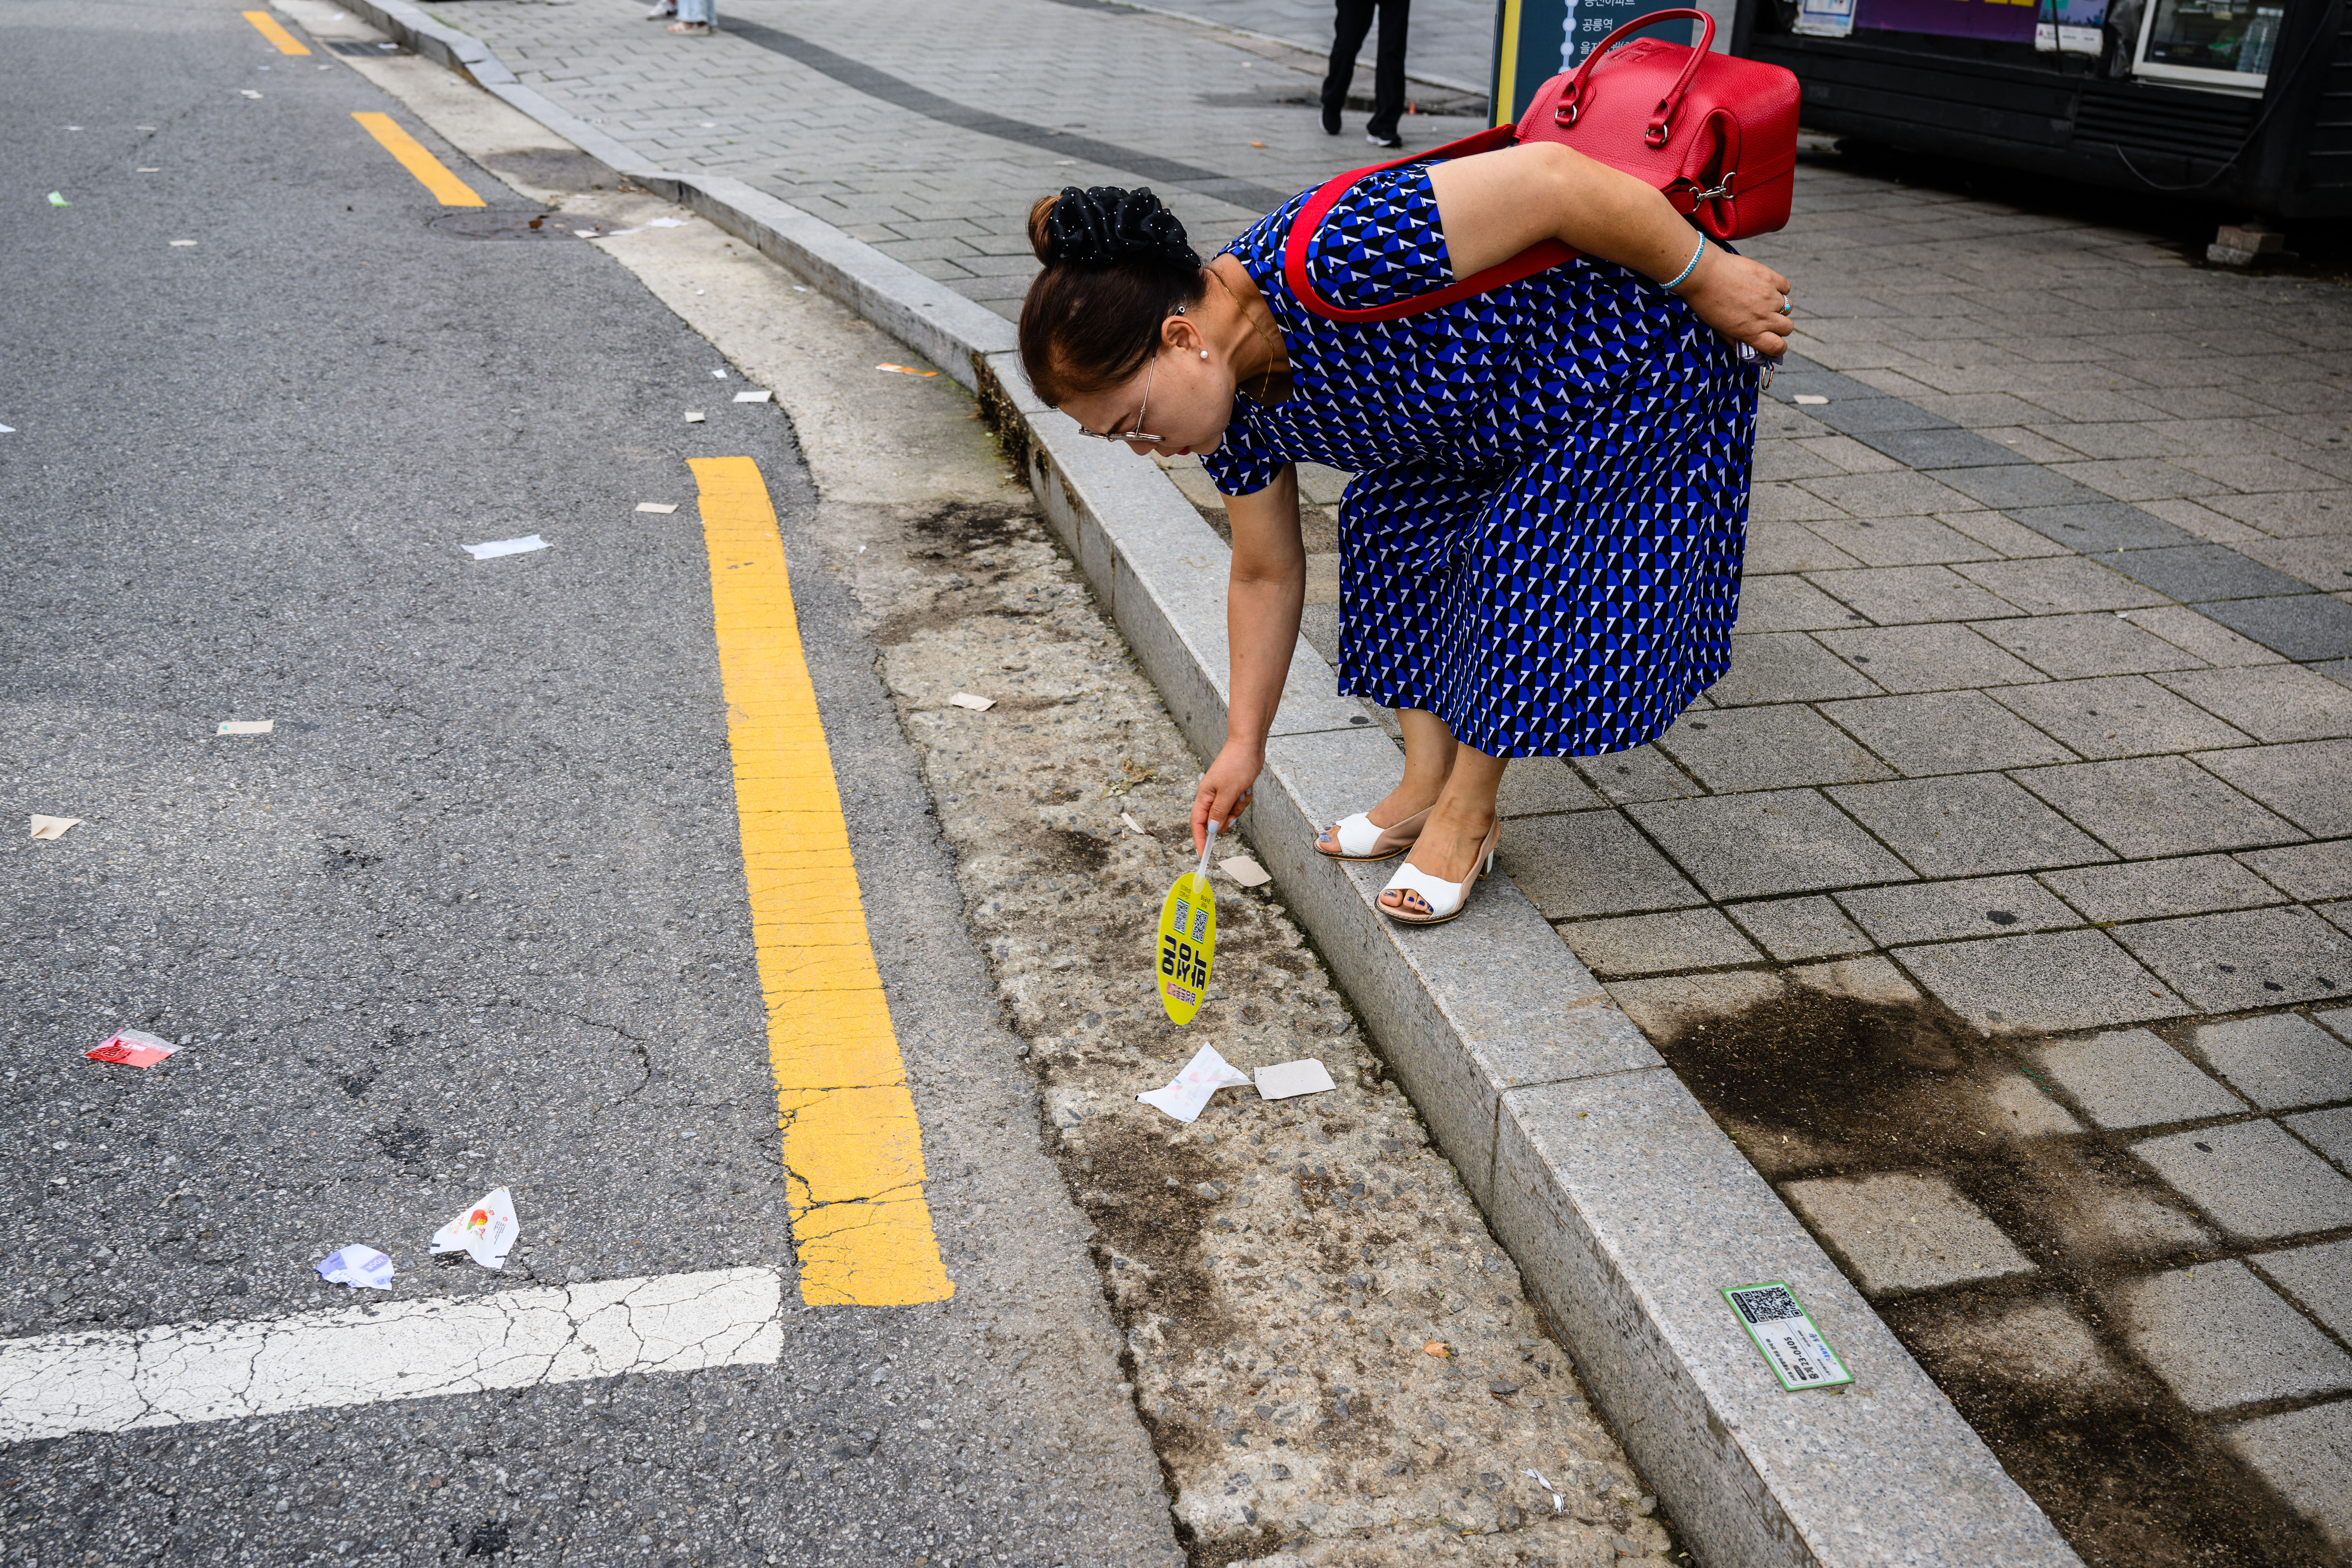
{"x": 1535, "y": 258}
{"x": 1661, "y": 117}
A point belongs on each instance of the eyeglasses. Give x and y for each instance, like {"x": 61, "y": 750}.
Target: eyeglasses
{"x": 1141, "y": 405}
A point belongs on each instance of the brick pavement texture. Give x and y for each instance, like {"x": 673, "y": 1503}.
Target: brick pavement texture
{"x": 1448, "y": 41}
{"x": 950, "y": 204}
{"x": 2040, "y": 713}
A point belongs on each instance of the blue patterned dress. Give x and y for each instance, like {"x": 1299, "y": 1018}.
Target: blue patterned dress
{"x": 1542, "y": 542}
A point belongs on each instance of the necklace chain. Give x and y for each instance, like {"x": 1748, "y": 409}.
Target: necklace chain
{"x": 1273, "y": 348}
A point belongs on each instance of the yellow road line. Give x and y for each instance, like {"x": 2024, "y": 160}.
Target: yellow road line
{"x": 446, "y": 188}
{"x": 266, "y": 26}
{"x": 853, "y": 1148}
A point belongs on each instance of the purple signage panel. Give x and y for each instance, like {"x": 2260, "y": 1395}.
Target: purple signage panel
{"x": 2002, "y": 20}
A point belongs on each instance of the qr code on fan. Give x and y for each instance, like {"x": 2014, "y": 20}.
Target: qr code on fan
{"x": 1765, "y": 1304}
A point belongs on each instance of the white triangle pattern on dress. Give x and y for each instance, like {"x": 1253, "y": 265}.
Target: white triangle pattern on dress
{"x": 1542, "y": 542}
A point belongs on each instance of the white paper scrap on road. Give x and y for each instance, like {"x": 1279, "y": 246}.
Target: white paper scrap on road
{"x": 498, "y": 547}
{"x": 7, "y": 429}
{"x": 1132, "y": 825}
{"x": 1245, "y": 871}
{"x": 484, "y": 1232}
{"x": 977, "y": 704}
{"x": 663, "y": 507}
{"x": 694, "y": 419}
{"x": 177, "y": 242}
{"x": 1285, "y": 1080}
{"x": 246, "y": 726}
{"x": 1187, "y": 1094}
{"x": 248, "y": 92}
{"x": 666, "y": 223}
{"x": 760, "y": 396}
{"x": 1810, "y": 400}
{"x": 57, "y": 1385}
{"x": 53, "y": 827}
{"x": 719, "y": 376}
{"x": 357, "y": 1265}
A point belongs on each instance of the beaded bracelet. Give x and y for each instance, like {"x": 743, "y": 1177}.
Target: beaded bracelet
{"x": 1686, "y": 271}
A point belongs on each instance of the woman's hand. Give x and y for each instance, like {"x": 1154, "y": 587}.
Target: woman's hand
{"x": 1495, "y": 205}
{"x": 1745, "y": 301}
{"x": 1225, "y": 789}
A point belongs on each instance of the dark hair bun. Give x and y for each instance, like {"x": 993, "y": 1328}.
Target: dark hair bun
{"x": 1106, "y": 226}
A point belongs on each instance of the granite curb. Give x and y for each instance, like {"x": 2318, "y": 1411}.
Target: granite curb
{"x": 1626, "y": 1208}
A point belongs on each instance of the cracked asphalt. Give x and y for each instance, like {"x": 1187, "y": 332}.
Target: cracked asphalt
{"x": 474, "y": 914}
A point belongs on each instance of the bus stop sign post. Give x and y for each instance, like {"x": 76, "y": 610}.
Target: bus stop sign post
{"x": 1535, "y": 40}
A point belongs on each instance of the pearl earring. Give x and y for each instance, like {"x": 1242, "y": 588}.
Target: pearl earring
{"x": 1204, "y": 353}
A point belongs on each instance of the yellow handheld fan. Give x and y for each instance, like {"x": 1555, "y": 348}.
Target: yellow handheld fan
{"x": 1188, "y": 939}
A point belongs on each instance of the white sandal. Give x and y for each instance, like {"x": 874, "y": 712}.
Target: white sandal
{"x": 1361, "y": 839}
{"x": 1445, "y": 898}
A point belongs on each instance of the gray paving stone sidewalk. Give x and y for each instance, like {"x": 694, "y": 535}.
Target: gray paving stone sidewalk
{"x": 765, "y": 100}
{"x": 2040, "y": 716}
{"x": 1449, "y": 41}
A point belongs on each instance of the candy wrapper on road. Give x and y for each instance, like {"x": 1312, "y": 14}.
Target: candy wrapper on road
{"x": 483, "y": 1232}
{"x": 357, "y": 1265}
{"x": 132, "y": 1049}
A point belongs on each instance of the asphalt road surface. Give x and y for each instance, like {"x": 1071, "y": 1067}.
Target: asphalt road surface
{"x": 473, "y": 914}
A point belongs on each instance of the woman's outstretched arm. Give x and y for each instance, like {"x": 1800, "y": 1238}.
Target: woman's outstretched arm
{"x": 1495, "y": 205}
{"x": 1269, "y": 583}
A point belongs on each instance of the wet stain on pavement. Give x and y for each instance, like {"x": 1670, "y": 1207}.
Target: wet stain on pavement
{"x": 1817, "y": 1087}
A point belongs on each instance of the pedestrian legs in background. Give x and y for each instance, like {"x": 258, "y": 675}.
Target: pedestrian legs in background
{"x": 1354, "y": 20}
{"x": 696, "y": 16}
{"x": 667, "y": 8}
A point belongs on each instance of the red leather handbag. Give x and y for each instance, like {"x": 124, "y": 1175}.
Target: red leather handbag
{"x": 1716, "y": 135}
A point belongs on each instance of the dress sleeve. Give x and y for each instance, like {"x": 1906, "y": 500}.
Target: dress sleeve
{"x": 1244, "y": 461}
{"x": 1382, "y": 242}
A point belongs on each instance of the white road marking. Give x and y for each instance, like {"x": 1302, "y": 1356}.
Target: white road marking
{"x": 58, "y": 1384}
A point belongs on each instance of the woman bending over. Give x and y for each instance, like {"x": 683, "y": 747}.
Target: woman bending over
{"x": 1539, "y": 553}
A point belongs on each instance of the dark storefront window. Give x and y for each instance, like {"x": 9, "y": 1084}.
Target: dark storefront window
{"x": 2219, "y": 43}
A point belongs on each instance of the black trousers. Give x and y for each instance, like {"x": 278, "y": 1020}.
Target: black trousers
{"x": 1388, "y": 75}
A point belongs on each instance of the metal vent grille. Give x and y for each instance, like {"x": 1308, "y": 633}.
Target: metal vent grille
{"x": 2171, "y": 123}
{"x": 2330, "y": 165}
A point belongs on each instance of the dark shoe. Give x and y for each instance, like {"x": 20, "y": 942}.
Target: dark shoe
{"x": 1330, "y": 121}
{"x": 1377, "y": 139}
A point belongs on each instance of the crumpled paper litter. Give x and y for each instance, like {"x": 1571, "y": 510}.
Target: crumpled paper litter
{"x": 483, "y": 1232}
{"x": 356, "y": 1266}
{"x": 1187, "y": 1094}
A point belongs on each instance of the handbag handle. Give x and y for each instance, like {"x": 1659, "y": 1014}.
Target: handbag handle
{"x": 1661, "y": 117}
